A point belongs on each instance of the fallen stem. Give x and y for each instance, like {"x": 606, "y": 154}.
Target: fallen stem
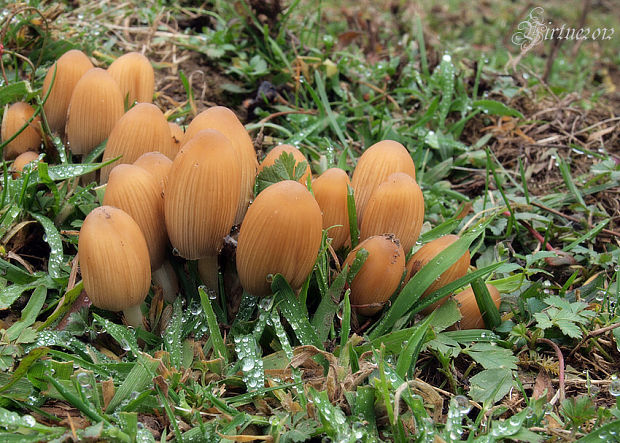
{"x": 593, "y": 334}
{"x": 558, "y": 352}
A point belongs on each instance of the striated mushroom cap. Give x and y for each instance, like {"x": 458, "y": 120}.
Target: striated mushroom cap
{"x": 472, "y": 318}
{"x": 22, "y": 160}
{"x": 95, "y": 106}
{"x": 380, "y": 274}
{"x": 330, "y": 192}
{"x": 177, "y": 135}
{"x": 200, "y": 199}
{"x": 114, "y": 259}
{"x": 14, "y": 118}
{"x": 135, "y": 77}
{"x": 142, "y": 129}
{"x": 158, "y": 165}
{"x": 281, "y": 233}
{"x": 395, "y": 207}
{"x": 426, "y": 253}
{"x": 224, "y": 120}
{"x": 138, "y": 193}
{"x": 70, "y": 67}
{"x": 276, "y": 152}
{"x": 375, "y": 165}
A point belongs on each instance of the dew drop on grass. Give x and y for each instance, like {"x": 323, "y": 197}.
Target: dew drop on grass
{"x": 462, "y": 404}
{"x": 614, "y": 387}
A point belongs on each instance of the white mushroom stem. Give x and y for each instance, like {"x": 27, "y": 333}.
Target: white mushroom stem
{"x": 208, "y": 271}
{"x": 166, "y": 279}
{"x": 133, "y": 316}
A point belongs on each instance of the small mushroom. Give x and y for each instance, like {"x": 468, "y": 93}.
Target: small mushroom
{"x": 138, "y": 193}
{"x": 281, "y": 233}
{"x": 157, "y": 164}
{"x": 224, "y": 120}
{"x": 330, "y": 192}
{"x": 428, "y": 252}
{"x": 114, "y": 262}
{"x": 14, "y": 119}
{"x": 69, "y": 68}
{"x": 275, "y": 154}
{"x": 375, "y": 165}
{"x": 466, "y": 300}
{"x": 396, "y": 207}
{"x": 135, "y": 77}
{"x": 379, "y": 276}
{"x": 22, "y": 160}
{"x": 142, "y": 129}
{"x": 95, "y": 107}
{"x": 200, "y": 199}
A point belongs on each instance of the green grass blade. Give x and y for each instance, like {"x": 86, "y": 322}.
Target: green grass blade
{"x": 324, "y": 314}
{"x": 346, "y": 320}
{"x": 352, "y": 211}
{"x": 219, "y": 347}
{"x": 407, "y": 360}
{"x": 139, "y": 378}
{"x": 490, "y": 313}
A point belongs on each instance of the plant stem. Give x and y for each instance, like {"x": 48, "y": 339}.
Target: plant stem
{"x": 133, "y": 316}
{"x": 166, "y": 279}
{"x": 208, "y": 271}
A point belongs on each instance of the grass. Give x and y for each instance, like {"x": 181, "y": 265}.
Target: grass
{"x": 525, "y": 170}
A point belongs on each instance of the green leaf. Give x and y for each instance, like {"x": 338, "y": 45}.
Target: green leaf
{"x": 29, "y": 313}
{"x": 32, "y": 357}
{"x": 294, "y": 313}
{"x": 496, "y": 108}
{"x": 608, "y": 432}
{"x": 64, "y": 305}
{"x": 124, "y": 337}
{"x": 214, "y": 330}
{"x": 446, "y": 315}
{"x": 324, "y": 315}
{"x": 173, "y": 341}
{"x": 407, "y": 359}
{"x": 490, "y": 385}
{"x": 491, "y": 356}
{"x": 140, "y": 378}
{"x": 52, "y": 237}
{"x": 284, "y": 168}
{"x": 14, "y": 92}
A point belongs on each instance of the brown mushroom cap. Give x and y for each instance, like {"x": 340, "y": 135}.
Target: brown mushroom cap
{"x": 330, "y": 192}
{"x": 380, "y": 274}
{"x": 22, "y": 160}
{"x": 114, "y": 259}
{"x": 95, "y": 106}
{"x": 138, "y": 193}
{"x": 14, "y": 118}
{"x": 375, "y": 165}
{"x": 70, "y": 67}
{"x": 275, "y": 154}
{"x": 157, "y": 164}
{"x": 281, "y": 233}
{"x": 135, "y": 77}
{"x": 224, "y": 120}
{"x": 472, "y": 318}
{"x": 142, "y": 129}
{"x": 200, "y": 199}
{"x": 177, "y": 135}
{"x": 426, "y": 253}
{"x": 395, "y": 207}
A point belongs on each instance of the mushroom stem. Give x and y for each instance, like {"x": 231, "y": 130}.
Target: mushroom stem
{"x": 166, "y": 279}
{"x": 133, "y": 316}
{"x": 208, "y": 271}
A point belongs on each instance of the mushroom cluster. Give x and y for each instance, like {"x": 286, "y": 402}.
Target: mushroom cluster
{"x": 170, "y": 191}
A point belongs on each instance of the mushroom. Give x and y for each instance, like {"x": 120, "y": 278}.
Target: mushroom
{"x": 14, "y": 119}
{"x": 157, "y": 164}
{"x": 95, "y": 107}
{"x": 177, "y": 135}
{"x": 375, "y": 165}
{"x": 22, "y": 160}
{"x": 466, "y": 300}
{"x": 200, "y": 199}
{"x": 135, "y": 77}
{"x": 275, "y": 154}
{"x": 114, "y": 262}
{"x": 280, "y": 234}
{"x": 425, "y": 254}
{"x": 379, "y": 276}
{"x": 224, "y": 120}
{"x": 330, "y": 192}
{"x": 142, "y": 129}
{"x": 138, "y": 193}
{"x": 69, "y": 68}
{"x": 396, "y": 207}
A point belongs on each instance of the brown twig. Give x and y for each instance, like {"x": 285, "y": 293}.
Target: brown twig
{"x": 592, "y": 335}
{"x": 558, "y": 352}
{"x": 571, "y": 218}
{"x": 281, "y": 113}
